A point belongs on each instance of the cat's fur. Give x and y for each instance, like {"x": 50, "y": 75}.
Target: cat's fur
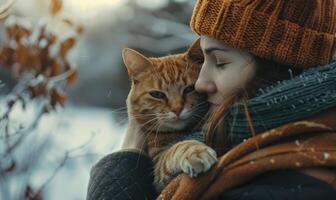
{"x": 168, "y": 116}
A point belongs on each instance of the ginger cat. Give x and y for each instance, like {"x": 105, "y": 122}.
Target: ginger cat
{"x": 163, "y": 104}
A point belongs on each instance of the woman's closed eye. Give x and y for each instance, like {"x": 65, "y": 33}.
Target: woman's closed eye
{"x": 221, "y": 65}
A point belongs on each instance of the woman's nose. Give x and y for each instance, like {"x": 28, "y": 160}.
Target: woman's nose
{"x": 204, "y": 85}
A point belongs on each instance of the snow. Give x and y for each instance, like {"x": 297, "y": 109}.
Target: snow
{"x": 75, "y": 129}
{"x": 87, "y": 134}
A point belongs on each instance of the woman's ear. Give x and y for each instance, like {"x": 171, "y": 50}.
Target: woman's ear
{"x": 194, "y": 53}
{"x": 135, "y": 62}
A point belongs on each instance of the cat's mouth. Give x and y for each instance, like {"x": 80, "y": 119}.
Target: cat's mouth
{"x": 179, "y": 122}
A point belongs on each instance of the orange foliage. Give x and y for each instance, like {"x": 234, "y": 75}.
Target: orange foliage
{"x": 55, "y": 7}
{"x": 28, "y": 50}
{"x": 37, "y": 59}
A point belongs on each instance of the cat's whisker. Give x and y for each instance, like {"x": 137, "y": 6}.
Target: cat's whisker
{"x": 156, "y": 127}
{"x": 150, "y": 121}
{"x": 200, "y": 105}
{"x": 148, "y": 135}
{"x": 121, "y": 121}
{"x": 196, "y": 110}
{"x": 142, "y": 116}
{"x": 156, "y": 134}
{"x": 157, "y": 119}
{"x": 204, "y": 115}
{"x": 121, "y": 110}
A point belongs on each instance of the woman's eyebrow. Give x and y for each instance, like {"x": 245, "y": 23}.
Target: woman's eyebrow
{"x": 211, "y": 49}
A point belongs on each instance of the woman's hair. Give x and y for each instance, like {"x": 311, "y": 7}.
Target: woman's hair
{"x": 268, "y": 72}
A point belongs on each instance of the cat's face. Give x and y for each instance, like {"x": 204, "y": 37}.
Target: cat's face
{"x": 162, "y": 96}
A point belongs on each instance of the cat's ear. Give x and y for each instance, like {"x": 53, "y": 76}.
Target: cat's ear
{"x": 194, "y": 53}
{"x": 135, "y": 62}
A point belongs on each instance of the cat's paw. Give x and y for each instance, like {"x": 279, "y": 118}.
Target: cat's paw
{"x": 197, "y": 159}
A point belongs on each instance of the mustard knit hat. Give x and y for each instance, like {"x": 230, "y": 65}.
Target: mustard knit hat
{"x": 301, "y": 33}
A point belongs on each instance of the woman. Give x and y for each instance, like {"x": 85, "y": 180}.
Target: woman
{"x": 247, "y": 46}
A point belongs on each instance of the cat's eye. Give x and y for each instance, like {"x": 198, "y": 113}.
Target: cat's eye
{"x": 158, "y": 94}
{"x": 188, "y": 89}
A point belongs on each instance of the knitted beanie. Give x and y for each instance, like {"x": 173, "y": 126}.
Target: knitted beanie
{"x": 301, "y": 33}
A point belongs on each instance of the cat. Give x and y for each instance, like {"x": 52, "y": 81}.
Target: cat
{"x": 163, "y": 102}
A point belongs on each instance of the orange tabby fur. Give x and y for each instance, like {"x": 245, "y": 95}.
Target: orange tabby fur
{"x": 167, "y": 116}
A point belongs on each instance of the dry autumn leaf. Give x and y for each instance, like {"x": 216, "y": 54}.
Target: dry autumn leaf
{"x": 38, "y": 90}
{"x": 55, "y": 68}
{"x": 72, "y": 77}
{"x": 28, "y": 191}
{"x": 79, "y": 28}
{"x": 55, "y": 7}
{"x": 43, "y": 55}
{"x": 7, "y": 56}
{"x": 11, "y": 167}
{"x": 68, "y": 22}
{"x": 22, "y": 53}
{"x": 22, "y": 31}
{"x": 17, "y": 32}
{"x": 36, "y": 58}
{"x": 35, "y": 62}
{"x": 66, "y": 46}
{"x": 30, "y": 194}
{"x": 57, "y": 97}
{"x": 52, "y": 39}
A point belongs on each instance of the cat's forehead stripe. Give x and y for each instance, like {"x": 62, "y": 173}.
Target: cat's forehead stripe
{"x": 168, "y": 71}
{"x": 172, "y": 70}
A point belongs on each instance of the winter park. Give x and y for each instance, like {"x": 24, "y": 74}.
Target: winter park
{"x": 167, "y": 99}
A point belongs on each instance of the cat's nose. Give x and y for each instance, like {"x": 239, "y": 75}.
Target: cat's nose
{"x": 177, "y": 110}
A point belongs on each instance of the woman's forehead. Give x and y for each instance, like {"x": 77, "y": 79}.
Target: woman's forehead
{"x": 211, "y": 43}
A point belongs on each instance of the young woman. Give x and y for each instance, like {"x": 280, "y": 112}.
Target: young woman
{"x": 248, "y": 45}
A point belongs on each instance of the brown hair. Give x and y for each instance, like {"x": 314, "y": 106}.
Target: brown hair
{"x": 268, "y": 72}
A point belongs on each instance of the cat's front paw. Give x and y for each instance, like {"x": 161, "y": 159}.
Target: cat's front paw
{"x": 198, "y": 158}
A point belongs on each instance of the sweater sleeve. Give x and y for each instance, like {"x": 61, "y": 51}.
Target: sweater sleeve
{"x": 122, "y": 175}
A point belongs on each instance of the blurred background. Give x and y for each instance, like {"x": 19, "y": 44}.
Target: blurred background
{"x": 85, "y": 120}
